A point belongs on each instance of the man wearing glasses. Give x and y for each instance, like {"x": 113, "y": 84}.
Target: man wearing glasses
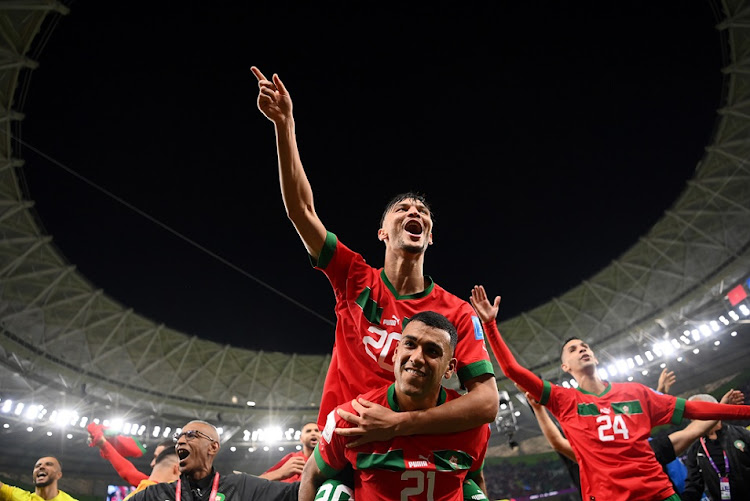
{"x": 197, "y": 446}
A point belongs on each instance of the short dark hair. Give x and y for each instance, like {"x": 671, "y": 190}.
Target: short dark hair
{"x": 566, "y": 342}
{"x": 168, "y": 443}
{"x": 438, "y": 321}
{"x": 409, "y": 195}
{"x": 168, "y": 451}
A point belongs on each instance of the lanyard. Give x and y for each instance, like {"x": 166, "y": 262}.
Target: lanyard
{"x": 214, "y": 489}
{"x": 710, "y": 460}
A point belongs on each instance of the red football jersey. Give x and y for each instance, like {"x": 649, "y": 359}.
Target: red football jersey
{"x": 609, "y": 434}
{"x": 370, "y": 318}
{"x": 412, "y": 467}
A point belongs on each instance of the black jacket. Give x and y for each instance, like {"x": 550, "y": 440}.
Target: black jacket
{"x": 233, "y": 487}
{"x": 735, "y": 440}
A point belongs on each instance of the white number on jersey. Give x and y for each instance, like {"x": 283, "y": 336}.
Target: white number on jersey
{"x": 380, "y": 349}
{"x": 419, "y": 488}
{"x": 617, "y": 426}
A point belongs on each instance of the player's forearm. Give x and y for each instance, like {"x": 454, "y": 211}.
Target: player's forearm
{"x": 477, "y": 407}
{"x": 511, "y": 368}
{"x": 553, "y": 435}
{"x": 311, "y": 479}
{"x": 708, "y": 410}
{"x": 122, "y": 466}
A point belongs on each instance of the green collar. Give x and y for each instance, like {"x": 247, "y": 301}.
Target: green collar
{"x": 394, "y": 405}
{"x": 425, "y": 292}
{"x": 606, "y": 390}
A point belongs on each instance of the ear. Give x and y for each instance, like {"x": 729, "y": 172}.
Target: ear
{"x": 565, "y": 367}
{"x": 176, "y": 469}
{"x": 214, "y": 448}
{"x": 382, "y": 235}
{"x": 451, "y": 368}
{"x": 429, "y": 239}
{"x": 395, "y": 351}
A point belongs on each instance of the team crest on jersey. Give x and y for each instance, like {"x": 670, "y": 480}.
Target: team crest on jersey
{"x": 330, "y": 426}
{"x": 739, "y": 444}
{"x": 220, "y": 496}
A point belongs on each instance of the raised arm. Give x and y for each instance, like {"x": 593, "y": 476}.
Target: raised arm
{"x": 511, "y": 368}
{"x": 275, "y": 103}
{"x": 551, "y": 432}
{"x": 682, "y": 439}
{"x": 666, "y": 380}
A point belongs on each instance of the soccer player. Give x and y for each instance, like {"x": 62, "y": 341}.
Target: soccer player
{"x": 289, "y": 468}
{"x": 412, "y": 467}
{"x": 607, "y": 424}
{"x": 373, "y": 305}
{"x": 47, "y": 472}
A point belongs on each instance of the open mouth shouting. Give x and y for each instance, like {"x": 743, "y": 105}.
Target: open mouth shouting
{"x": 414, "y": 228}
{"x": 182, "y": 453}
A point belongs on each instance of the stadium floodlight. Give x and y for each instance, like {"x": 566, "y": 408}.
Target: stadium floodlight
{"x": 517, "y": 413}
{"x": 695, "y": 333}
{"x": 630, "y": 378}
{"x": 19, "y": 408}
{"x": 685, "y": 339}
{"x": 125, "y": 428}
{"x": 733, "y": 315}
{"x": 696, "y": 351}
{"x": 574, "y": 383}
{"x": 733, "y": 334}
{"x": 156, "y": 430}
{"x": 649, "y": 356}
{"x": 141, "y": 429}
{"x": 233, "y": 448}
{"x": 714, "y": 325}
{"x": 723, "y": 320}
{"x": 631, "y": 363}
{"x": 299, "y": 447}
{"x": 6, "y": 425}
{"x": 30, "y": 429}
{"x": 622, "y": 367}
{"x": 644, "y": 372}
{"x": 220, "y": 430}
{"x": 602, "y": 374}
{"x": 744, "y": 309}
{"x": 250, "y": 403}
{"x": 49, "y": 433}
{"x": 612, "y": 370}
{"x": 638, "y": 359}
{"x": 33, "y": 411}
{"x": 167, "y": 429}
{"x": 565, "y": 384}
{"x": 69, "y": 436}
{"x": 675, "y": 343}
{"x": 705, "y": 330}
{"x": 281, "y": 449}
{"x": 680, "y": 359}
{"x": 7, "y": 406}
{"x": 717, "y": 342}
{"x": 83, "y": 422}
{"x": 266, "y": 448}
{"x": 66, "y": 417}
{"x": 297, "y": 434}
{"x": 289, "y": 433}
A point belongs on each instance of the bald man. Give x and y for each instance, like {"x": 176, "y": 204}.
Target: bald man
{"x": 47, "y": 471}
{"x": 197, "y": 445}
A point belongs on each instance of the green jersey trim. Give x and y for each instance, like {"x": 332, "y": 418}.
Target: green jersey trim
{"x": 546, "y": 390}
{"x": 428, "y": 280}
{"x": 606, "y": 390}
{"x": 370, "y": 308}
{"x": 391, "y": 460}
{"x": 629, "y": 408}
{"x": 393, "y": 403}
{"x": 327, "y": 470}
{"x": 475, "y": 369}
{"x": 679, "y": 410}
{"x": 326, "y": 253}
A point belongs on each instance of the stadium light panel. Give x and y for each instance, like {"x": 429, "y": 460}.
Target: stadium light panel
{"x": 696, "y": 351}
{"x": 233, "y": 448}
{"x": 156, "y": 430}
{"x": 574, "y": 383}
{"x": 19, "y": 408}
{"x": 649, "y": 356}
{"x": 705, "y": 330}
{"x": 723, "y": 320}
{"x": 69, "y": 436}
{"x": 299, "y": 447}
{"x": 250, "y": 403}
{"x": 638, "y": 359}
{"x": 631, "y": 363}
{"x": 622, "y": 367}
{"x": 83, "y": 422}
{"x": 612, "y": 370}
{"x": 517, "y": 413}
{"x": 714, "y": 325}
{"x": 695, "y": 333}
{"x": 733, "y": 334}
{"x": 675, "y": 343}
{"x": 30, "y": 429}
{"x": 680, "y": 359}
{"x": 602, "y": 374}
{"x": 734, "y": 315}
{"x": 685, "y": 339}
{"x": 744, "y": 310}
{"x": 717, "y": 342}
{"x": 281, "y": 449}
{"x": 7, "y": 406}
{"x": 566, "y": 384}
{"x": 220, "y": 430}
{"x": 33, "y": 411}
{"x": 6, "y": 425}
{"x": 662, "y": 365}
{"x": 49, "y": 433}
{"x": 251, "y": 449}
{"x": 630, "y": 378}
{"x": 167, "y": 429}
{"x": 266, "y": 448}
{"x": 644, "y": 372}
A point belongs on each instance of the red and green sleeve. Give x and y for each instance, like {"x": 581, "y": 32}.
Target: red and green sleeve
{"x": 709, "y": 410}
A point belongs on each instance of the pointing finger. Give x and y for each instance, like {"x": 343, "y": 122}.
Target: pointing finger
{"x": 258, "y": 74}
{"x": 279, "y": 84}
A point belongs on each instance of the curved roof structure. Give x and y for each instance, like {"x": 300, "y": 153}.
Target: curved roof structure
{"x": 63, "y": 340}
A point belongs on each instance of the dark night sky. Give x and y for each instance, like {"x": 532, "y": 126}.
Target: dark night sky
{"x": 548, "y": 137}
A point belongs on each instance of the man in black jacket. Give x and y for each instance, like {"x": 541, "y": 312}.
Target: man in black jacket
{"x": 725, "y": 447}
{"x": 197, "y": 445}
